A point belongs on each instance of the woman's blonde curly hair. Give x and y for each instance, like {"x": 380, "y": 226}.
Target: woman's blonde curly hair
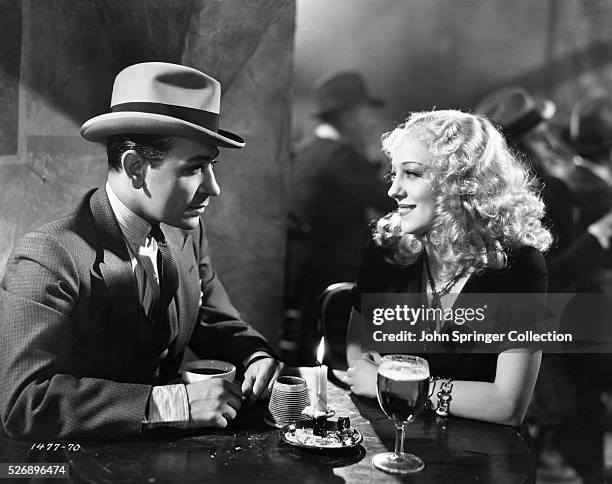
{"x": 485, "y": 198}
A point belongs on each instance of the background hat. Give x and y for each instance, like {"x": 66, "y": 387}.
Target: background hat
{"x": 590, "y": 130}
{"x": 515, "y": 110}
{"x": 164, "y": 99}
{"x": 342, "y": 90}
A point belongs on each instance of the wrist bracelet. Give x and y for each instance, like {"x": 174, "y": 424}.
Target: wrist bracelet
{"x": 444, "y": 397}
{"x": 432, "y": 389}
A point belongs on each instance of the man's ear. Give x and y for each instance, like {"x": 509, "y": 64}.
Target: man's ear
{"x": 134, "y": 167}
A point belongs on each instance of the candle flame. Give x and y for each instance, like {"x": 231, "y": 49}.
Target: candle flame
{"x": 321, "y": 351}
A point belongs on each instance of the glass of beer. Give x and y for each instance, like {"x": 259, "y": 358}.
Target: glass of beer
{"x": 403, "y": 386}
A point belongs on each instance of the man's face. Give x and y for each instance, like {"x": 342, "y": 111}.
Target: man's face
{"x": 178, "y": 189}
{"x": 365, "y": 127}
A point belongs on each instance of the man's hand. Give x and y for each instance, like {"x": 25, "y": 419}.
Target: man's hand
{"x": 259, "y": 378}
{"x": 212, "y": 403}
{"x": 361, "y": 377}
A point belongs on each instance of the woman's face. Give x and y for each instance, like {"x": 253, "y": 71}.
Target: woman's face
{"x": 416, "y": 204}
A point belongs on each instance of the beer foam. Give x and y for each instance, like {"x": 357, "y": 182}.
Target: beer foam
{"x": 403, "y": 371}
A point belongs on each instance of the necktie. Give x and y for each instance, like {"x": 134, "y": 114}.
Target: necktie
{"x": 167, "y": 273}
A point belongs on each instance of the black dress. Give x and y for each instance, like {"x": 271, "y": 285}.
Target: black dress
{"x": 525, "y": 273}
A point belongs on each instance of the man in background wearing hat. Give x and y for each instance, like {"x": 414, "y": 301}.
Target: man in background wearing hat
{"x": 97, "y": 308}
{"x": 581, "y": 244}
{"x": 337, "y": 190}
{"x": 590, "y": 133}
{"x": 566, "y": 405}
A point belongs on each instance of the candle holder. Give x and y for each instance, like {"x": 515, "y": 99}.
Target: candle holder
{"x": 319, "y": 426}
{"x": 319, "y": 419}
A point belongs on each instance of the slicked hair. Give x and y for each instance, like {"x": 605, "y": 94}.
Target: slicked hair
{"x": 153, "y": 148}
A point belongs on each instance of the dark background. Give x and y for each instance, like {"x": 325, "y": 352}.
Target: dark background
{"x": 420, "y": 54}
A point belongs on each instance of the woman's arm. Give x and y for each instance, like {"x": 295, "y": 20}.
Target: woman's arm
{"x": 363, "y": 366}
{"x": 504, "y": 401}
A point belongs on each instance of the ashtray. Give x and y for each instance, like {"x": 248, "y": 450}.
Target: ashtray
{"x": 299, "y": 434}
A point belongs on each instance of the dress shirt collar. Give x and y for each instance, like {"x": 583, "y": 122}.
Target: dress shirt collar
{"x": 134, "y": 228}
{"x": 327, "y": 131}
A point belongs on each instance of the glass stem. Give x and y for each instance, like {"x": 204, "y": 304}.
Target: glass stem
{"x": 400, "y": 433}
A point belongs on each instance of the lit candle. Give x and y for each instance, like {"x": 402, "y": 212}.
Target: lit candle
{"x": 320, "y": 381}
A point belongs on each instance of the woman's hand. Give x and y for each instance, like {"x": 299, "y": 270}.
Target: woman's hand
{"x": 361, "y": 377}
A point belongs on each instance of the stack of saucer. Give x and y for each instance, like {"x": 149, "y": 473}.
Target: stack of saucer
{"x": 289, "y": 397}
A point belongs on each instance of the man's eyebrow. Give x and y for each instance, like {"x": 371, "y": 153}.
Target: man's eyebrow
{"x": 410, "y": 162}
{"x": 203, "y": 158}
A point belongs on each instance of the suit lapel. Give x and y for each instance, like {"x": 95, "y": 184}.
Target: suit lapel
{"x": 188, "y": 292}
{"x": 114, "y": 266}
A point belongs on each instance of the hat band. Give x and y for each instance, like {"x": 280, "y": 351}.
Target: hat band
{"x": 524, "y": 124}
{"x": 202, "y": 118}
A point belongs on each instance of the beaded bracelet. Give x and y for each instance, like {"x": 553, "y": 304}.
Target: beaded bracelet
{"x": 444, "y": 397}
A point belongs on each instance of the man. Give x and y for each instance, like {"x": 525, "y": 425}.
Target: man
{"x": 98, "y": 307}
{"x": 577, "y": 202}
{"x": 578, "y": 212}
{"x": 590, "y": 132}
{"x": 338, "y": 190}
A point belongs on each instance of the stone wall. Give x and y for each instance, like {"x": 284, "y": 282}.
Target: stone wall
{"x": 57, "y": 63}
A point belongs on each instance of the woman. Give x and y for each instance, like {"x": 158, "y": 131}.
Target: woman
{"x": 467, "y": 221}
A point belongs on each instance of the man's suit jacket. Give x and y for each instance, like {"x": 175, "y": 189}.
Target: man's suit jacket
{"x": 576, "y": 259}
{"x": 78, "y": 356}
{"x": 336, "y": 193}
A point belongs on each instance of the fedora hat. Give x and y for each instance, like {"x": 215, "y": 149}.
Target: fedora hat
{"x": 342, "y": 90}
{"x": 164, "y": 99}
{"x": 590, "y": 129}
{"x": 515, "y": 110}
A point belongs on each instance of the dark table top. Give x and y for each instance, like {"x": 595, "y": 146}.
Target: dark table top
{"x": 248, "y": 451}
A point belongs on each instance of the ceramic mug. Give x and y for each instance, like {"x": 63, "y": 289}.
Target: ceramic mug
{"x": 202, "y": 370}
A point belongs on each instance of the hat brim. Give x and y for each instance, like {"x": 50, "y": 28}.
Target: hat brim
{"x": 100, "y": 128}
{"x": 541, "y": 110}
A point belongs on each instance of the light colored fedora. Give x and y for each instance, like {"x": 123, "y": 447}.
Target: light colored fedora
{"x": 515, "y": 110}
{"x": 164, "y": 99}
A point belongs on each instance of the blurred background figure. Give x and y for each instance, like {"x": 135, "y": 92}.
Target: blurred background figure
{"x": 337, "y": 189}
{"x": 578, "y": 214}
{"x": 590, "y": 133}
{"x": 581, "y": 225}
